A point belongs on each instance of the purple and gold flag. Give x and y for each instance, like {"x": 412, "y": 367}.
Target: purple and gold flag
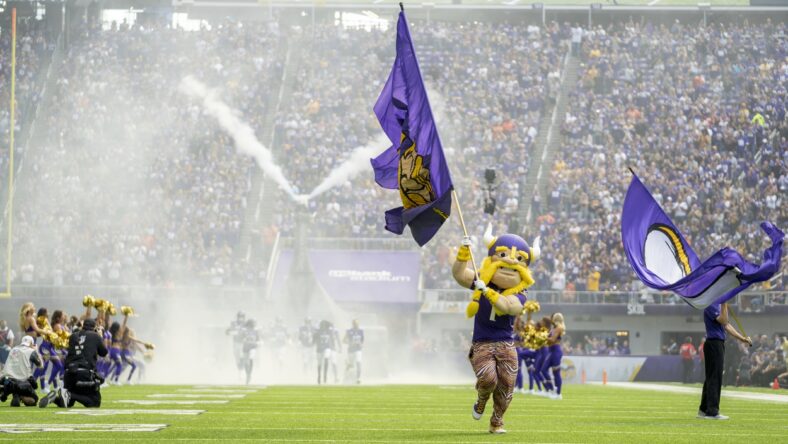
{"x": 663, "y": 259}
{"x": 414, "y": 164}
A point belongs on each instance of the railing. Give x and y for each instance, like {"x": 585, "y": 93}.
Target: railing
{"x": 76, "y": 292}
{"x": 452, "y": 301}
{"x": 353, "y": 243}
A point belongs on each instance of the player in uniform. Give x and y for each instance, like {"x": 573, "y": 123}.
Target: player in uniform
{"x": 250, "y": 339}
{"x": 236, "y": 329}
{"x": 325, "y": 345}
{"x": 306, "y": 337}
{"x": 354, "y": 338}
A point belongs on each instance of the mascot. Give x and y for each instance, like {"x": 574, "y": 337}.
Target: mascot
{"x": 498, "y": 298}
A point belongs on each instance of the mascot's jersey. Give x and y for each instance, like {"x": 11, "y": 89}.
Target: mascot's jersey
{"x": 499, "y": 329}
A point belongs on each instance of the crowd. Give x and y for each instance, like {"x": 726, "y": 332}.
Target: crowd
{"x": 759, "y": 365}
{"x": 32, "y": 54}
{"x": 128, "y": 180}
{"x": 699, "y": 113}
{"x": 488, "y": 85}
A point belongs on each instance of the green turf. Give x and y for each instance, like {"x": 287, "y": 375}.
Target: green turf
{"x": 393, "y": 414}
{"x": 526, "y": 3}
{"x": 766, "y": 390}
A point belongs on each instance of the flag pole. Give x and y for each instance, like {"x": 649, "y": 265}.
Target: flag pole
{"x": 738, "y": 323}
{"x": 464, "y": 230}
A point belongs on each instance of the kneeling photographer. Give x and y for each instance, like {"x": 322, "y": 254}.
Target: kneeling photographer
{"x": 16, "y": 378}
{"x": 81, "y": 382}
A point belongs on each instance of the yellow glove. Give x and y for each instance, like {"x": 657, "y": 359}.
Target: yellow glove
{"x": 492, "y": 295}
{"x": 464, "y": 254}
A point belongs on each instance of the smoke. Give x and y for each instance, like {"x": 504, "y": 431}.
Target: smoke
{"x": 242, "y": 133}
{"x": 357, "y": 162}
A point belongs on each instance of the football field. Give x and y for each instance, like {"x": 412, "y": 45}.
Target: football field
{"x": 389, "y": 414}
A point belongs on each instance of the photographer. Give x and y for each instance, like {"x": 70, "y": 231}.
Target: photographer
{"x": 16, "y": 379}
{"x": 81, "y": 380}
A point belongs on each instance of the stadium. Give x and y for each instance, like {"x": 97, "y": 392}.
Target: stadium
{"x": 203, "y": 236}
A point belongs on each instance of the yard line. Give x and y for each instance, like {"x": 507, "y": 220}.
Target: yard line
{"x": 749, "y": 396}
{"x": 112, "y": 412}
{"x": 168, "y": 401}
{"x": 193, "y": 395}
{"x": 476, "y": 430}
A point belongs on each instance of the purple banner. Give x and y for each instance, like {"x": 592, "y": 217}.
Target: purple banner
{"x": 360, "y": 275}
{"x": 367, "y": 276}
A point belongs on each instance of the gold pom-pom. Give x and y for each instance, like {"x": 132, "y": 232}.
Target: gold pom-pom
{"x": 126, "y": 310}
{"x": 88, "y": 301}
{"x": 149, "y": 346}
{"x": 531, "y": 307}
{"x": 111, "y": 309}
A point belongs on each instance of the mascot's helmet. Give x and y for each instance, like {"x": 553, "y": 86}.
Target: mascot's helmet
{"x": 509, "y": 241}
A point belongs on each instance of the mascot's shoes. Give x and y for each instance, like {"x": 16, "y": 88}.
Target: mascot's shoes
{"x": 499, "y": 430}
{"x": 477, "y": 415}
{"x": 49, "y": 397}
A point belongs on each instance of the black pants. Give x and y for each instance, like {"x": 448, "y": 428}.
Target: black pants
{"x": 714, "y": 357}
{"x": 688, "y": 366}
{"x": 18, "y": 388}
{"x": 83, "y": 387}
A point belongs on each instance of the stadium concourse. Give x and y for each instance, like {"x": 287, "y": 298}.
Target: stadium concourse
{"x": 129, "y": 189}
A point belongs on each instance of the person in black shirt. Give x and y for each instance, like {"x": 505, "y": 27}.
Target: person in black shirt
{"x": 81, "y": 382}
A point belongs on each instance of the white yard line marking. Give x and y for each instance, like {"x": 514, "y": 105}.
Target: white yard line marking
{"x": 113, "y": 412}
{"x": 33, "y": 428}
{"x": 652, "y": 2}
{"x": 750, "y": 396}
{"x": 217, "y": 391}
{"x": 672, "y": 424}
{"x": 169, "y": 401}
{"x": 194, "y": 395}
{"x": 239, "y": 386}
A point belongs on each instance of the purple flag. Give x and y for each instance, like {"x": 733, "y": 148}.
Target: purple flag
{"x": 663, "y": 259}
{"x": 414, "y": 164}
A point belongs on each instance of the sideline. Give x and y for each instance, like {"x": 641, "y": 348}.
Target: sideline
{"x": 750, "y": 396}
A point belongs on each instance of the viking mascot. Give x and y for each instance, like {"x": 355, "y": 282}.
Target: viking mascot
{"x": 498, "y": 298}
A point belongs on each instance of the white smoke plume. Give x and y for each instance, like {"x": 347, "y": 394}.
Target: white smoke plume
{"x": 242, "y": 133}
{"x": 358, "y": 162}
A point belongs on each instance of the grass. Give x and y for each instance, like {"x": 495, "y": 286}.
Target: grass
{"x": 394, "y": 3}
{"x": 432, "y": 414}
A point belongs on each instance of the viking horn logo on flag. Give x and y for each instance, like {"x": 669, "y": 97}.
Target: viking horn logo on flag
{"x": 663, "y": 259}
{"x": 414, "y": 164}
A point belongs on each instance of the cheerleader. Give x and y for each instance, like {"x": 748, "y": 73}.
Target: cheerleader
{"x": 117, "y": 330}
{"x": 27, "y": 321}
{"x": 551, "y": 366}
{"x": 131, "y": 345}
{"x": 46, "y": 349}
{"x": 541, "y": 333}
{"x": 527, "y": 351}
{"x": 58, "y": 346}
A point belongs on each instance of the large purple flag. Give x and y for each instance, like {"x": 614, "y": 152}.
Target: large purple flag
{"x": 663, "y": 259}
{"x": 414, "y": 164}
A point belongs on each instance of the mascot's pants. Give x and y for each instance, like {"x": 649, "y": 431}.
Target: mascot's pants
{"x": 495, "y": 365}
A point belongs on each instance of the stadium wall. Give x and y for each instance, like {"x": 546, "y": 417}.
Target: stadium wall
{"x": 645, "y": 332}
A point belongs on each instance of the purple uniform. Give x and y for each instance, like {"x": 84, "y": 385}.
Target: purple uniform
{"x": 500, "y": 328}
